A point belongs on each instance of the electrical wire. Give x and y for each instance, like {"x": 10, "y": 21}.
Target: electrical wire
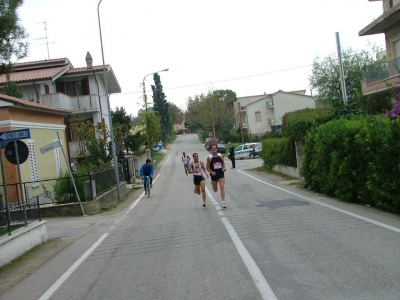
{"x": 218, "y": 81}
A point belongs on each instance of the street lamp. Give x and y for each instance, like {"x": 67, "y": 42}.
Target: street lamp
{"x": 109, "y": 111}
{"x": 145, "y": 101}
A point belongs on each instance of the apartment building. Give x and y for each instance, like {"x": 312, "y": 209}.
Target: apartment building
{"x": 377, "y": 80}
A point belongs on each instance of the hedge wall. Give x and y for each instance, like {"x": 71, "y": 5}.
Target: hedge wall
{"x": 278, "y": 151}
{"x": 355, "y": 160}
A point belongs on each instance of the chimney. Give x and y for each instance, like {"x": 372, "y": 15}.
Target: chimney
{"x": 89, "y": 61}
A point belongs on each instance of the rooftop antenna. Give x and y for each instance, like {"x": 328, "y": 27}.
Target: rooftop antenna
{"x": 45, "y": 38}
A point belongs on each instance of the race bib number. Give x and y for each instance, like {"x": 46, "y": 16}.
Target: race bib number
{"x": 197, "y": 172}
{"x": 217, "y": 165}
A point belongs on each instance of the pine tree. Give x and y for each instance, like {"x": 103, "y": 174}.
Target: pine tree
{"x": 161, "y": 106}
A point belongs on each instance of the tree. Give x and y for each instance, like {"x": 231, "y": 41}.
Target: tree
{"x": 12, "y": 35}
{"x": 325, "y": 81}
{"x": 175, "y": 113}
{"x": 161, "y": 106}
{"x": 214, "y": 108}
{"x": 11, "y": 88}
{"x": 122, "y": 123}
{"x": 153, "y": 121}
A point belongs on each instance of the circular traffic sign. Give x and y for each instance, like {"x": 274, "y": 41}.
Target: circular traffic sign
{"x": 23, "y": 152}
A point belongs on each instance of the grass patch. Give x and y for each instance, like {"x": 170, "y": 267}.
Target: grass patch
{"x": 157, "y": 156}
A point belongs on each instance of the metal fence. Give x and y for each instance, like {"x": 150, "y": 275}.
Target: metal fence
{"x": 12, "y": 218}
{"x": 60, "y": 190}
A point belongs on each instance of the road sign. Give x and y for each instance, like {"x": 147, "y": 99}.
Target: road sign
{"x": 210, "y": 134}
{"x": 23, "y": 152}
{"x": 50, "y": 147}
{"x": 14, "y": 135}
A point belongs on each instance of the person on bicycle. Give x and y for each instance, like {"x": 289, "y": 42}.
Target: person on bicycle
{"x": 147, "y": 170}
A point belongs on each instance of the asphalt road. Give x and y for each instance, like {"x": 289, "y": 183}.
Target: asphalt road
{"x": 272, "y": 242}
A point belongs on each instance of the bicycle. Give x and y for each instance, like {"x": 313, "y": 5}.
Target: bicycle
{"x": 147, "y": 185}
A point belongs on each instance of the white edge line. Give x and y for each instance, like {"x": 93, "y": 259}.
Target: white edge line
{"x": 65, "y": 276}
{"x": 258, "y": 278}
{"x": 111, "y": 228}
{"x": 395, "y": 229}
{"x": 136, "y": 202}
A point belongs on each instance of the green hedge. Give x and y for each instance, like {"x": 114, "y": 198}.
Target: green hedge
{"x": 355, "y": 160}
{"x": 278, "y": 151}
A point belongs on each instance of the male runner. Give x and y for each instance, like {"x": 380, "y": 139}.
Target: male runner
{"x": 196, "y": 167}
{"x": 216, "y": 167}
{"x": 185, "y": 160}
{"x": 147, "y": 170}
{"x": 231, "y": 154}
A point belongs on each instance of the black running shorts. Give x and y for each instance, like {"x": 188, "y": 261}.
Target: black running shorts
{"x": 217, "y": 176}
{"x": 198, "y": 179}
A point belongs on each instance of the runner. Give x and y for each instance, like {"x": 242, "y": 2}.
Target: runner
{"x": 216, "y": 167}
{"x": 147, "y": 170}
{"x": 196, "y": 167}
{"x": 185, "y": 160}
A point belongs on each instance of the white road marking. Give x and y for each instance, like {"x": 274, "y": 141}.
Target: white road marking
{"x": 65, "y": 276}
{"x": 395, "y": 229}
{"x": 116, "y": 222}
{"x": 258, "y": 278}
{"x": 111, "y": 228}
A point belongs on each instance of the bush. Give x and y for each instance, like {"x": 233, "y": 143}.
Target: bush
{"x": 64, "y": 189}
{"x": 278, "y": 151}
{"x": 355, "y": 160}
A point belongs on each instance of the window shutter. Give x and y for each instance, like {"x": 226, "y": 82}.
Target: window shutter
{"x": 85, "y": 87}
{"x": 32, "y": 161}
{"x": 61, "y": 87}
{"x": 58, "y": 160}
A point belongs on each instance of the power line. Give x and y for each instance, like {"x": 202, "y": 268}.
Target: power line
{"x": 218, "y": 81}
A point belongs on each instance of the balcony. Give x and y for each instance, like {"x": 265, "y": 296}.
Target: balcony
{"x": 270, "y": 103}
{"x": 76, "y": 149}
{"x": 271, "y": 121}
{"x": 377, "y": 79}
{"x": 76, "y": 104}
{"x": 384, "y": 22}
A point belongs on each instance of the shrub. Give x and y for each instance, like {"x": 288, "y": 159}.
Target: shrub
{"x": 355, "y": 160}
{"x": 64, "y": 189}
{"x": 278, "y": 151}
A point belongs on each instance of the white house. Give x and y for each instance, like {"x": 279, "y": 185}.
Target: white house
{"x": 264, "y": 113}
{"x": 57, "y": 83}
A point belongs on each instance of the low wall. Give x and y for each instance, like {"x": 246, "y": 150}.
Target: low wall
{"x": 21, "y": 241}
{"x": 104, "y": 201}
{"x": 289, "y": 171}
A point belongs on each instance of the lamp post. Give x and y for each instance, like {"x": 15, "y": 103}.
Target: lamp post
{"x": 113, "y": 150}
{"x": 145, "y": 101}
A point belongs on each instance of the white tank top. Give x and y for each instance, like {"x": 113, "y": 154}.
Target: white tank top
{"x": 185, "y": 159}
{"x": 197, "y": 170}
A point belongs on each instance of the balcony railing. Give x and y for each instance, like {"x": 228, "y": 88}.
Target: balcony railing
{"x": 383, "y": 71}
{"x": 76, "y": 104}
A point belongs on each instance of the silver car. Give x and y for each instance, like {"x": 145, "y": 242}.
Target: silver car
{"x": 248, "y": 150}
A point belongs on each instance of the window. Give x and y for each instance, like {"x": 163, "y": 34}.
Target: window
{"x": 258, "y": 116}
{"x": 239, "y": 148}
{"x": 32, "y": 161}
{"x": 245, "y": 147}
{"x": 74, "y": 88}
{"x": 46, "y": 89}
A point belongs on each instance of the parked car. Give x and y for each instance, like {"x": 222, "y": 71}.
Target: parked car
{"x": 155, "y": 148}
{"x": 211, "y": 142}
{"x": 221, "y": 148}
{"x": 206, "y": 142}
{"x": 248, "y": 150}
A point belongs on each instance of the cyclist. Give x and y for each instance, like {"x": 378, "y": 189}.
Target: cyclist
{"x": 185, "y": 160}
{"x": 216, "y": 168}
{"x": 147, "y": 170}
{"x": 197, "y": 167}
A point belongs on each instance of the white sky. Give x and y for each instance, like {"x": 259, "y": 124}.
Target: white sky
{"x": 201, "y": 42}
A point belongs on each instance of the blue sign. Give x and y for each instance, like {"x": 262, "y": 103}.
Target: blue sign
{"x": 14, "y": 135}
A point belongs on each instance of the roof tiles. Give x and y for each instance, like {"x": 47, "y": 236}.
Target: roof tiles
{"x": 36, "y": 74}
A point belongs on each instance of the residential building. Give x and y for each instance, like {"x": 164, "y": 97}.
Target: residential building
{"x": 43, "y": 122}
{"x": 57, "y": 83}
{"x": 377, "y": 80}
{"x": 264, "y": 113}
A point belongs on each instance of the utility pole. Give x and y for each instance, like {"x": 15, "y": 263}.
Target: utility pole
{"x": 241, "y": 122}
{"x": 341, "y": 70}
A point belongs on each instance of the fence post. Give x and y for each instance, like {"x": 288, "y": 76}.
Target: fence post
{"x": 8, "y": 220}
{"x": 38, "y": 205}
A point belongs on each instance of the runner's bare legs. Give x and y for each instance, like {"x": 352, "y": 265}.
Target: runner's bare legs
{"x": 222, "y": 188}
{"x": 203, "y": 190}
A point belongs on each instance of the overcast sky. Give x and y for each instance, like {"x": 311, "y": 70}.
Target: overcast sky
{"x": 207, "y": 44}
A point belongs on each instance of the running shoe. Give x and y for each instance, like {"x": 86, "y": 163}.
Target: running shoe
{"x": 204, "y": 205}
{"x": 223, "y": 204}
{"x": 151, "y": 186}
{"x": 145, "y": 192}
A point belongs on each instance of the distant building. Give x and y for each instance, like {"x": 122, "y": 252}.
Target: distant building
{"x": 263, "y": 113}
{"x": 375, "y": 81}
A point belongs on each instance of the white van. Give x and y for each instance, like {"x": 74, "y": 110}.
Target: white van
{"x": 248, "y": 150}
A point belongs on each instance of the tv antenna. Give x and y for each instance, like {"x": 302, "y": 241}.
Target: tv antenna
{"x": 45, "y": 38}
